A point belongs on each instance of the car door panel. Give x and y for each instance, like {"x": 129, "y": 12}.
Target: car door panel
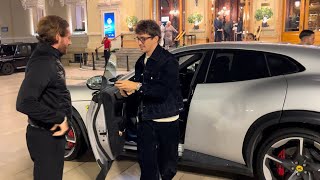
{"x": 104, "y": 121}
{"x": 21, "y": 56}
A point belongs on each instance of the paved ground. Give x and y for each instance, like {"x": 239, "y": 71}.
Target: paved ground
{"x": 15, "y": 162}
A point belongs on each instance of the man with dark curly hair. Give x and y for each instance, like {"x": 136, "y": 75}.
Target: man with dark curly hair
{"x": 156, "y": 83}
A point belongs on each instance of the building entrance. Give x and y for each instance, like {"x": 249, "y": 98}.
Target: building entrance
{"x": 170, "y": 10}
{"x": 300, "y": 15}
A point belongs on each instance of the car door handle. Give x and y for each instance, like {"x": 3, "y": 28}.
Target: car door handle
{"x": 103, "y": 133}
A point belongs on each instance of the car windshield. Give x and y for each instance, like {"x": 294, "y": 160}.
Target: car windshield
{"x": 7, "y": 50}
{"x": 110, "y": 72}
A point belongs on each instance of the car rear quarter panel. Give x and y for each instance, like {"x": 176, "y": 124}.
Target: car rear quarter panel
{"x": 303, "y": 92}
{"x": 221, "y": 114}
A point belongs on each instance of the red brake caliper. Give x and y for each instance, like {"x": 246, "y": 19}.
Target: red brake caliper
{"x": 71, "y": 135}
{"x": 280, "y": 169}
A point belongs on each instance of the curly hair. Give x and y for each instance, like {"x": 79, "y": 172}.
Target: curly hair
{"x": 49, "y": 26}
{"x": 149, "y": 27}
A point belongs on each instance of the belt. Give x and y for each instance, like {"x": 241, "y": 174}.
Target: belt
{"x": 32, "y": 124}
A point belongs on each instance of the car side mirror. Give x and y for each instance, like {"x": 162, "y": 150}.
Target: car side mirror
{"x": 94, "y": 82}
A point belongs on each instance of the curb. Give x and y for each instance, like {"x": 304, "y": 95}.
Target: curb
{"x": 78, "y": 78}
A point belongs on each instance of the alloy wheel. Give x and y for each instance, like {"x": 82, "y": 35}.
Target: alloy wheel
{"x": 71, "y": 140}
{"x": 293, "y": 158}
{"x": 7, "y": 68}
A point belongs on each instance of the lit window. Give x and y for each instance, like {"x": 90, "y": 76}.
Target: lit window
{"x": 40, "y": 14}
{"x": 79, "y": 18}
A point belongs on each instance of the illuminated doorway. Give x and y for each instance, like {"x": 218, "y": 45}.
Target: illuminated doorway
{"x": 170, "y": 10}
{"x": 300, "y": 15}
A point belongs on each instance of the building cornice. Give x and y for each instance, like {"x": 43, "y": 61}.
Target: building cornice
{"x": 109, "y": 3}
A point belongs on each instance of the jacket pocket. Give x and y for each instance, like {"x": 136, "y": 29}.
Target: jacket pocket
{"x": 150, "y": 76}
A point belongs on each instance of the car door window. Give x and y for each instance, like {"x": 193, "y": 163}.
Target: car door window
{"x": 29, "y": 49}
{"x": 219, "y": 69}
{"x": 248, "y": 65}
{"x": 1, "y": 51}
{"x": 7, "y": 50}
{"x": 189, "y": 63}
{"x": 281, "y": 65}
{"x": 237, "y": 65}
{"x": 22, "y": 50}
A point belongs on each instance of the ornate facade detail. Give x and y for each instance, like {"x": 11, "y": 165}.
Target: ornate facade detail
{"x": 103, "y": 3}
{"x": 51, "y": 2}
{"x": 72, "y": 2}
{"x": 27, "y": 4}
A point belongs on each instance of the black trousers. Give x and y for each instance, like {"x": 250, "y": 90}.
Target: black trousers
{"x": 218, "y": 36}
{"x": 158, "y": 149}
{"x": 239, "y": 37}
{"x": 47, "y": 153}
{"x": 106, "y": 54}
{"x": 227, "y": 36}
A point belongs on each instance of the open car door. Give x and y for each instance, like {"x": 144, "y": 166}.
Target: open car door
{"x": 105, "y": 118}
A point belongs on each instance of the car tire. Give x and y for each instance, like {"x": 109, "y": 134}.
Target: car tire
{"x": 7, "y": 68}
{"x": 75, "y": 143}
{"x": 279, "y": 155}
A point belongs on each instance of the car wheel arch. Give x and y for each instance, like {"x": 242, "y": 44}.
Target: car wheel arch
{"x": 255, "y": 134}
{"x": 9, "y": 64}
{"x": 81, "y": 124}
{"x": 260, "y": 129}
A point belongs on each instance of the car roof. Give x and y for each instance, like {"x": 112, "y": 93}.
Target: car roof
{"x": 258, "y": 46}
{"x": 308, "y": 56}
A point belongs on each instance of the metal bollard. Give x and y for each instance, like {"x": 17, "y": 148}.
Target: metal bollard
{"x": 96, "y": 50}
{"x": 85, "y": 58}
{"x": 128, "y": 69}
{"x": 93, "y": 63}
{"x": 81, "y": 61}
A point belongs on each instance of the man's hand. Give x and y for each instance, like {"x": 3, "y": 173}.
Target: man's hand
{"x": 126, "y": 85}
{"x": 63, "y": 128}
{"x": 125, "y": 93}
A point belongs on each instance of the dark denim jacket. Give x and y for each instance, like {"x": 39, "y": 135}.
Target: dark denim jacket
{"x": 160, "y": 92}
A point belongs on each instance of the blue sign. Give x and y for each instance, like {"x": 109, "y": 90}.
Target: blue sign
{"x": 109, "y": 27}
{"x": 4, "y": 29}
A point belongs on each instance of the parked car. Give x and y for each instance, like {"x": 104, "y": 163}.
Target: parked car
{"x": 250, "y": 108}
{"x": 15, "y": 56}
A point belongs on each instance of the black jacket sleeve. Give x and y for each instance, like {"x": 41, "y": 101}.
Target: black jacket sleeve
{"x": 38, "y": 76}
{"x": 168, "y": 80}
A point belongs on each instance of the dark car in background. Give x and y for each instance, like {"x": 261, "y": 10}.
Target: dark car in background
{"x": 15, "y": 56}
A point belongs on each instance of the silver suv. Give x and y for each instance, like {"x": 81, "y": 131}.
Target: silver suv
{"x": 251, "y": 109}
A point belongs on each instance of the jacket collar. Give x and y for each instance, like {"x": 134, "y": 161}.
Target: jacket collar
{"x": 47, "y": 50}
{"x": 156, "y": 53}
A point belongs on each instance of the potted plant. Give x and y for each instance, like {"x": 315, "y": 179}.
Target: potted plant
{"x": 195, "y": 19}
{"x": 263, "y": 14}
{"x": 131, "y": 21}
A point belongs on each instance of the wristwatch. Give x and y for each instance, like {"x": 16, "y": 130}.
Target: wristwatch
{"x": 138, "y": 86}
